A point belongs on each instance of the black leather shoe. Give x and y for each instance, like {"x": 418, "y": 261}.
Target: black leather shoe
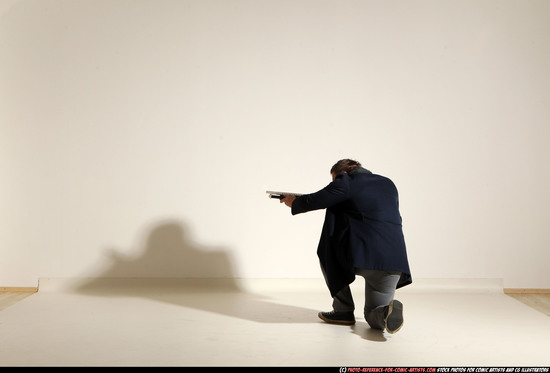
{"x": 339, "y": 318}
{"x": 394, "y": 317}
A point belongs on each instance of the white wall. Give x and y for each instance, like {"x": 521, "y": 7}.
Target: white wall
{"x": 138, "y": 136}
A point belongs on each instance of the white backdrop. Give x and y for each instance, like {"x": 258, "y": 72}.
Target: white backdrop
{"x": 138, "y": 137}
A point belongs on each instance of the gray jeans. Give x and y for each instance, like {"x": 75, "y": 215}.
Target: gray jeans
{"x": 379, "y": 292}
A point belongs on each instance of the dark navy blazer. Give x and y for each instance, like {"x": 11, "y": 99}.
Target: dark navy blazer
{"x": 362, "y": 227}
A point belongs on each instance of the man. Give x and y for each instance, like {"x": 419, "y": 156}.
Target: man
{"x": 362, "y": 235}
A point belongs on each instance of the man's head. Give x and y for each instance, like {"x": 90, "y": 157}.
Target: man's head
{"x": 343, "y": 165}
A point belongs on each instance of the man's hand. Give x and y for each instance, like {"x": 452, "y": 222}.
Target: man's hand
{"x": 288, "y": 200}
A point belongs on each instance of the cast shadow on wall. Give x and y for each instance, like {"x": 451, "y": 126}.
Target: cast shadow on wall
{"x": 201, "y": 277}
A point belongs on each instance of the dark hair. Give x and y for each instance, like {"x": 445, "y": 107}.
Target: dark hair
{"x": 344, "y": 165}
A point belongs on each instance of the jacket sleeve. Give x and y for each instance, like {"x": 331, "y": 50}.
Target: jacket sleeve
{"x": 332, "y": 194}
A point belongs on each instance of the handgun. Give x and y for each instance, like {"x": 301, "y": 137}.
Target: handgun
{"x": 280, "y": 195}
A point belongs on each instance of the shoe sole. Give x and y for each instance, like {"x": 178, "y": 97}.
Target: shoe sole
{"x": 336, "y": 322}
{"x": 394, "y": 320}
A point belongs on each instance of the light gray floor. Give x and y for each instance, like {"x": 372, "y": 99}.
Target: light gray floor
{"x": 264, "y": 323}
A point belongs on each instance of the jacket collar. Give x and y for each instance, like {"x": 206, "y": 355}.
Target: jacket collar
{"x": 359, "y": 170}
